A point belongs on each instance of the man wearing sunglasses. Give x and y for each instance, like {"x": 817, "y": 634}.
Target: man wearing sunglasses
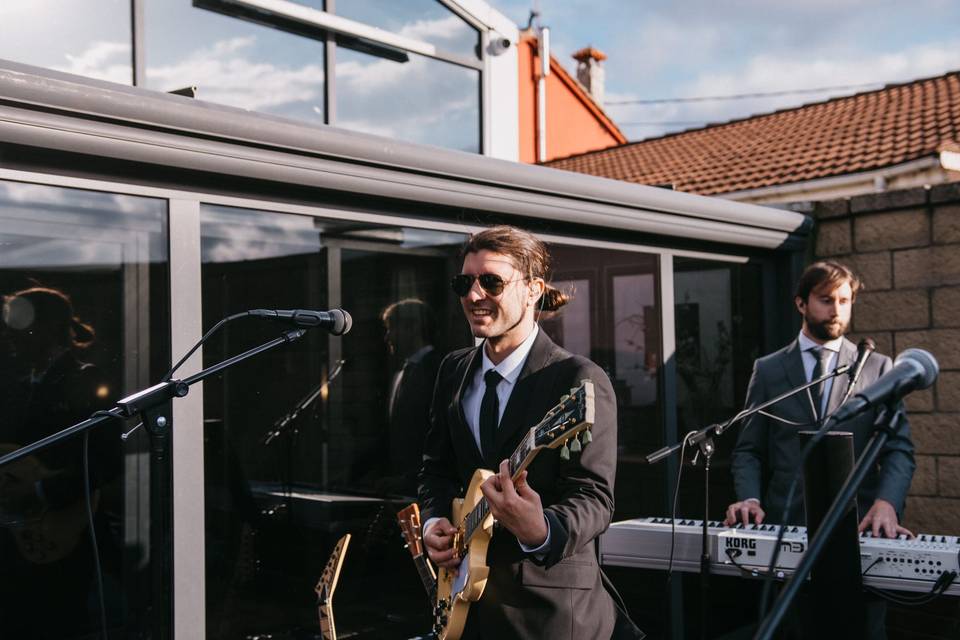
{"x": 545, "y": 581}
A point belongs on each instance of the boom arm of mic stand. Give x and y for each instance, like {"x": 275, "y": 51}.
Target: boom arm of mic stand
{"x": 718, "y": 429}
{"x": 146, "y": 399}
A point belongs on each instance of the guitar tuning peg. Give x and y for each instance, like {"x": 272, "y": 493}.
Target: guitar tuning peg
{"x": 587, "y": 438}
{"x": 564, "y": 452}
{"x": 575, "y": 445}
{"x": 564, "y": 398}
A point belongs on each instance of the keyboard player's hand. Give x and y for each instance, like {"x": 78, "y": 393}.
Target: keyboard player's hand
{"x": 744, "y": 511}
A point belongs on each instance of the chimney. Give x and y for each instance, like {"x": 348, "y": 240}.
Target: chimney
{"x": 589, "y": 71}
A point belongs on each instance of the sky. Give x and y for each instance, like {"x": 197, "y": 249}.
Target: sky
{"x": 690, "y": 48}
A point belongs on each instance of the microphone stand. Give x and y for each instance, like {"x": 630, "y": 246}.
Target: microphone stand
{"x": 153, "y": 405}
{"x": 886, "y": 424}
{"x": 703, "y": 438}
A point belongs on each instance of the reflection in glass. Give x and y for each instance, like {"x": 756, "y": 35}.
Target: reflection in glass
{"x": 614, "y": 320}
{"x": 87, "y": 37}
{"x": 233, "y": 61}
{"x": 84, "y": 280}
{"x": 296, "y": 457}
{"x": 718, "y": 336}
{"x": 424, "y": 20}
{"x": 419, "y": 100}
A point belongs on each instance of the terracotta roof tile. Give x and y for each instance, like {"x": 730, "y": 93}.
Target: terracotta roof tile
{"x": 861, "y": 132}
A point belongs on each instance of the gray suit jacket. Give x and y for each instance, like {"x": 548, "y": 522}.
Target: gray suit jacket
{"x": 560, "y": 596}
{"x": 768, "y": 452}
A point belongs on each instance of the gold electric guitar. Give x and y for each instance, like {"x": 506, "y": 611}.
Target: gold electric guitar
{"x": 326, "y": 586}
{"x": 409, "y": 520}
{"x": 561, "y": 427}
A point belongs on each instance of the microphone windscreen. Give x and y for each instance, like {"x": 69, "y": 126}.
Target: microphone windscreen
{"x": 342, "y": 322}
{"x": 925, "y": 361}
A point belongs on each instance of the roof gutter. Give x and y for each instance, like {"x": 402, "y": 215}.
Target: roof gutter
{"x": 48, "y": 109}
{"x": 850, "y": 179}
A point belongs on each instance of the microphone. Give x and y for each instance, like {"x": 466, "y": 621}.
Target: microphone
{"x": 864, "y": 348}
{"x": 336, "y": 321}
{"x": 913, "y": 369}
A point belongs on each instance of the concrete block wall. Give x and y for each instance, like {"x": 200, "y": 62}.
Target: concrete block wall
{"x": 906, "y": 247}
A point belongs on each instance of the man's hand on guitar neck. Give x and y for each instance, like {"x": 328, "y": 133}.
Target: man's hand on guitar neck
{"x": 517, "y": 508}
{"x": 438, "y": 539}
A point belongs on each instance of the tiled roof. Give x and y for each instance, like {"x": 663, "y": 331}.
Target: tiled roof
{"x": 856, "y": 133}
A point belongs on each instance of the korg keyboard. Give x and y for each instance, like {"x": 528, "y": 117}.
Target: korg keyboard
{"x": 895, "y": 564}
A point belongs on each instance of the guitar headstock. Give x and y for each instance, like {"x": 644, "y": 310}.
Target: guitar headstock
{"x": 409, "y": 520}
{"x": 331, "y": 573}
{"x": 563, "y": 424}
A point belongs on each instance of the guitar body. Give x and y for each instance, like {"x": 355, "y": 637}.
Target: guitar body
{"x": 42, "y": 535}
{"x": 455, "y": 593}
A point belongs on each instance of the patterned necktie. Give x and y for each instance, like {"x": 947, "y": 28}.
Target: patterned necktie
{"x": 489, "y": 417}
{"x": 823, "y": 358}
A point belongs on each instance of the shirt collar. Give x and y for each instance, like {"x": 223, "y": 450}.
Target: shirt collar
{"x": 806, "y": 343}
{"x": 510, "y": 367}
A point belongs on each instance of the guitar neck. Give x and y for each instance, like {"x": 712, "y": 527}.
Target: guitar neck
{"x": 427, "y": 576}
{"x": 519, "y": 460}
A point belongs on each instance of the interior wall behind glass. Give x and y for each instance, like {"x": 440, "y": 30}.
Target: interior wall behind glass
{"x": 87, "y": 37}
{"x": 233, "y": 61}
{"x": 85, "y": 284}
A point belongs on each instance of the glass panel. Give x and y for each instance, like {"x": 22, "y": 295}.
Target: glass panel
{"x": 233, "y": 61}
{"x": 85, "y": 283}
{"x": 614, "y": 319}
{"x": 293, "y": 463}
{"x": 425, "y": 20}
{"x": 718, "y": 334}
{"x": 86, "y": 37}
{"x": 409, "y": 97}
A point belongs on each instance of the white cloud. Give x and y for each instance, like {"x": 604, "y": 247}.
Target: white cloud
{"x": 449, "y": 28}
{"x": 225, "y": 73}
{"x": 103, "y": 60}
{"x": 766, "y": 73}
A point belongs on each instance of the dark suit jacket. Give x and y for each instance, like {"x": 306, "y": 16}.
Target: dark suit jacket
{"x": 559, "y": 596}
{"x": 768, "y": 452}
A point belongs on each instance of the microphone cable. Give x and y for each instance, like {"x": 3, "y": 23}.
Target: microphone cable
{"x": 193, "y": 349}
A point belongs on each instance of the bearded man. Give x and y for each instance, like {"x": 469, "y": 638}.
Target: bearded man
{"x": 767, "y": 454}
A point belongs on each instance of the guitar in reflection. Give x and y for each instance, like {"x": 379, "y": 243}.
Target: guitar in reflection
{"x": 327, "y": 585}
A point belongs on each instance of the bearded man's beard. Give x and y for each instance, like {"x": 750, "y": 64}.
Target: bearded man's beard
{"x": 829, "y": 330}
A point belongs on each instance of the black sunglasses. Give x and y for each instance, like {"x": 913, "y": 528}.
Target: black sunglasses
{"x": 489, "y": 282}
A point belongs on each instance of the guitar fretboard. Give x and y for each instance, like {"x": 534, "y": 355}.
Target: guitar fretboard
{"x": 475, "y": 518}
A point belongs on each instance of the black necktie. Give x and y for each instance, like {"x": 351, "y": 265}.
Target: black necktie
{"x": 489, "y": 417}
{"x": 823, "y": 357}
